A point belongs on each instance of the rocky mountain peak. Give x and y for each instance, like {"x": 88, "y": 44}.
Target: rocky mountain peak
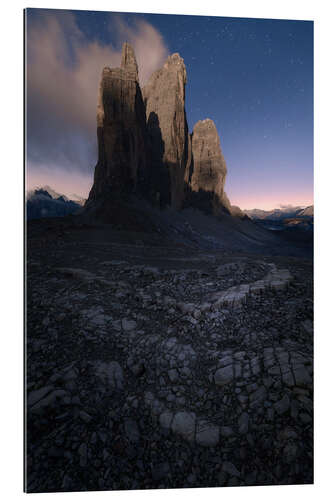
{"x": 128, "y": 59}
{"x": 208, "y": 169}
{"x": 176, "y": 63}
{"x": 164, "y": 97}
{"x": 121, "y": 132}
{"x": 144, "y": 143}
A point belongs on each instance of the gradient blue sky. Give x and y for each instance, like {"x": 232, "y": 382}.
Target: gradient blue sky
{"x": 253, "y": 77}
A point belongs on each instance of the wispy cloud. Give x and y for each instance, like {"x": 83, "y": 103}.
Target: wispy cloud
{"x": 150, "y": 49}
{"x": 285, "y": 207}
{"x": 63, "y": 72}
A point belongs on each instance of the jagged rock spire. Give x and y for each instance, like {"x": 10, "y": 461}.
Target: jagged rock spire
{"x": 128, "y": 59}
{"x": 164, "y": 97}
{"x": 208, "y": 169}
{"x": 144, "y": 144}
{"x": 121, "y": 132}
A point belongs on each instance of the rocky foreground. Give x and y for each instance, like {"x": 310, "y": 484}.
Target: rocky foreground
{"x": 152, "y": 364}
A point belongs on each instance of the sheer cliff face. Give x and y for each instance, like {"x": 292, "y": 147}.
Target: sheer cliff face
{"x": 164, "y": 97}
{"x": 144, "y": 145}
{"x": 209, "y": 167}
{"x": 121, "y": 130}
{"x": 207, "y": 173}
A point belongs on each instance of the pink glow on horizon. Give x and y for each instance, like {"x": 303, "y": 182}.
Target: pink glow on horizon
{"x": 268, "y": 194}
{"x": 73, "y": 182}
{"x": 63, "y": 182}
{"x": 268, "y": 203}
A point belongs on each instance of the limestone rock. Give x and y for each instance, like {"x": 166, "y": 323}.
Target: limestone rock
{"x": 145, "y": 148}
{"x": 128, "y": 325}
{"x": 39, "y": 394}
{"x": 230, "y": 469}
{"x": 243, "y": 423}
{"x": 184, "y": 425}
{"x": 121, "y": 132}
{"x": 52, "y": 399}
{"x": 237, "y": 212}
{"x": 207, "y": 434}
{"x": 207, "y": 173}
{"x": 132, "y": 430}
{"x": 283, "y": 405}
{"x": 166, "y": 419}
{"x": 128, "y": 60}
{"x": 224, "y": 375}
{"x": 111, "y": 373}
{"x": 164, "y": 97}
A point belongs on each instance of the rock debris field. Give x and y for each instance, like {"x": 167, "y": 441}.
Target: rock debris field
{"x": 155, "y": 365}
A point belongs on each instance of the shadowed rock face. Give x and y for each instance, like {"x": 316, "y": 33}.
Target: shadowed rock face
{"x": 121, "y": 131}
{"x": 207, "y": 173}
{"x": 144, "y": 145}
{"x": 164, "y": 97}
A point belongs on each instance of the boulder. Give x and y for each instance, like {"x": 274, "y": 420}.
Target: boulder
{"x": 207, "y": 434}
{"x": 183, "y": 424}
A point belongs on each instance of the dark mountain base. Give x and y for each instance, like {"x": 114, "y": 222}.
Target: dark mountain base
{"x": 135, "y": 382}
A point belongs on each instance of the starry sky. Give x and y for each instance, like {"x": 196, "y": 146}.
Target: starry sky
{"x": 253, "y": 77}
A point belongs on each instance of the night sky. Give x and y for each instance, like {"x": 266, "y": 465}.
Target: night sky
{"x": 253, "y": 77}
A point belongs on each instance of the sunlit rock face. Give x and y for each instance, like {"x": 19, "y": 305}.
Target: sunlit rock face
{"x": 121, "y": 131}
{"x": 164, "y": 97}
{"x": 208, "y": 170}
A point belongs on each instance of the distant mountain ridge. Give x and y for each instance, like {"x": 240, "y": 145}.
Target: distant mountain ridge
{"x": 280, "y": 213}
{"x": 288, "y": 219}
{"x": 307, "y": 212}
{"x": 45, "y": 202}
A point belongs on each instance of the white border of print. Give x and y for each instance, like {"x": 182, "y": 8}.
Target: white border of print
{"x": 11, "y": 260}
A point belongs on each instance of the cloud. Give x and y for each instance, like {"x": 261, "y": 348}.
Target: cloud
{"x": 150, "y": 49}
{"x": 284, "y": 207}
{"x": 63, "y": 72}
{"x": 63, "y": 181}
